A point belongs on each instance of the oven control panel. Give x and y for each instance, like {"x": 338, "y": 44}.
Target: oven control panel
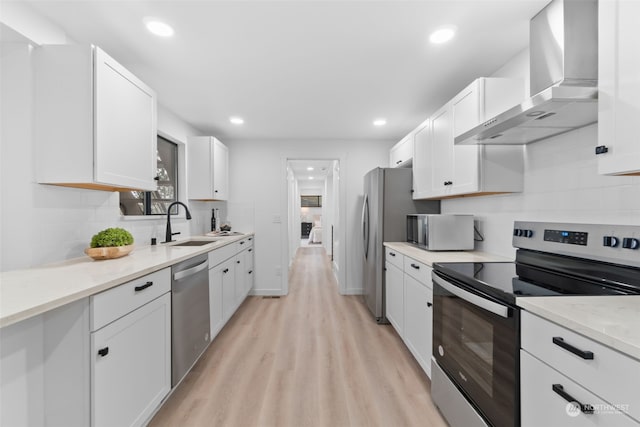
{"x": 564, "y": 236}
{"x": 619, "y": 244}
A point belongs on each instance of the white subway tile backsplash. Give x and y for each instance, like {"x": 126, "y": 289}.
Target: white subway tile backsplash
{"x": 561, "y": 183}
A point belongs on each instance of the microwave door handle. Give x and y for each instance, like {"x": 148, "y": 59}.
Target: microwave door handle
{"x": 365, "y": 225}
{"x": 474, "y": 299}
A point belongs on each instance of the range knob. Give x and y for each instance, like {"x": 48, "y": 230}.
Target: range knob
{"x": 630, "y": 243}
{"x": 527, "y": 233}
{"x": 610, "y": 241}
{"x": 518, "y": 232}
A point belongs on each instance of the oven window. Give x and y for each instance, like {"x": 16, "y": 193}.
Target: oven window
{"x": 478, "y": 350}
{"x": 476, "y": 339}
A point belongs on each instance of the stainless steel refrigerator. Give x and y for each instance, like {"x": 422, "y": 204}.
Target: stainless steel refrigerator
{"x": 387, "y": 201}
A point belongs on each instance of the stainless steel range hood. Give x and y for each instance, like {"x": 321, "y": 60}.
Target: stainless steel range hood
{"x": 563, "y": 75}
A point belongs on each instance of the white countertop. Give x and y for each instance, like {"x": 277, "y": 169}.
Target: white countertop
{"x": 611, "y": 320}
{"x": 30, "y": 292}
{"x": 431, "y": 257}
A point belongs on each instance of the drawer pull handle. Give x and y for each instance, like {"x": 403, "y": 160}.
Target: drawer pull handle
{"x": 238, "y": 262}
{"x": 250, "y": 238}
{"x": 559, "y": 341}
{"x": 392, "y": 254}
{"x": 250, "y": 271}
{"x": 429, "y": 304}
{"x": 225, "y": 271}
{"x": 103, "y": 351}
{"x": 242, "y": 243}
{"x": 143, "y": 287}
{"x": 417, "y": 267}
{"x": 584, "y": 408}
{"x": 250, "y": 249}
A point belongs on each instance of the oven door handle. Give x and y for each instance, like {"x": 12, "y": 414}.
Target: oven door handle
{"x": 474, "y": 299}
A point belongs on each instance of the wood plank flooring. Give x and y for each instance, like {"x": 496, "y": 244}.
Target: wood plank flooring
{"x": 312, "y": 358}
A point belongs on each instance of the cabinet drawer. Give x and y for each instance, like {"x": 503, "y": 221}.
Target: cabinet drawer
{"x": 114, "y": 303}
{"x": 394, "y": 257}
{"x": 418, "y": 270}
{"x": 542, "y": 406}
{"x": 603, "y": 373}
{"x": 244, "y": 244}
{"x": 222, "y": 254}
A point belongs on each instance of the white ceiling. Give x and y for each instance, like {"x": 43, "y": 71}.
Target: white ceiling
{"x": 301, "y": 69}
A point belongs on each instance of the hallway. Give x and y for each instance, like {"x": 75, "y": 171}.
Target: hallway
{"x": 312, "y": 358}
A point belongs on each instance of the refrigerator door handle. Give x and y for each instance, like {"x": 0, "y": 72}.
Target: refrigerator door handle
{"x": 365, "y": 226}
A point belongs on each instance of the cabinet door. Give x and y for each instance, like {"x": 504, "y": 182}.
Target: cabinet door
{"x": 125, "y": 127}
{"x": 618, "y": 87}
{"x": 466, "y": 108}
{"x": 216, "y": 313}
{"x": 442, "y": 151}
{"x": 199, "y": 158}
{"x": 228, "y": 288}
{"x": 402, "y": 152}
{"x": 220, "y": 170}
{"x": 131, "y": 365}
{"x": 249, "y": 270}
{"x": 418, "y": 321}
{"x": 241, "y": 278}
{"x": 422, "y": 158}
{"x": 394, "y": 296}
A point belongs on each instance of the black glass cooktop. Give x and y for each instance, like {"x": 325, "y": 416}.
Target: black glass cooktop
{"x": 508, "y": 280}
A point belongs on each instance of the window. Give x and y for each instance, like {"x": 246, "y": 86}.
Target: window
{"x": 156, "y": 202}
{"x": 311, "y": 201}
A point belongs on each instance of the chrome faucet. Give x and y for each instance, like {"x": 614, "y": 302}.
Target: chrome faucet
{"x": 169, "y": 234}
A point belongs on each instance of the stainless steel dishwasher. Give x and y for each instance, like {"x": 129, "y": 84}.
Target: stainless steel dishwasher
{"x": 189, "y": 314}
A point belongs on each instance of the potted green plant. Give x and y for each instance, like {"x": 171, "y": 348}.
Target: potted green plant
{"x": 110, "y": 243}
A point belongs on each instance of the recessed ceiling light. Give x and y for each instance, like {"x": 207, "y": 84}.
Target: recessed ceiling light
{"x": 236, "y": 120}
{"x": 442, "y": 34}
{"x": 379, "y": 122}
{"x": 309, "y": 168}
{"x": 310, "y": 177}
{"x": 158, "y": 27}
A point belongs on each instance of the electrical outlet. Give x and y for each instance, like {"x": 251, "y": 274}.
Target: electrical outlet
{"x": 277, "y": 219}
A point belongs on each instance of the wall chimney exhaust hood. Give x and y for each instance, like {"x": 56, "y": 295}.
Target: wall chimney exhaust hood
{"x": 563, "y": 42}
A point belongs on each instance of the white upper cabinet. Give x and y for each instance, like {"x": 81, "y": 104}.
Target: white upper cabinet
{"x": 422, "y": 170}
{"x": 95, "y": 122}
{"x": 442, "y": 169}
{"x": 401, "y": 154}
{"x": 207, "y": 168}
{"x": 483, "y": 99}
{"x": 618, "y": 87}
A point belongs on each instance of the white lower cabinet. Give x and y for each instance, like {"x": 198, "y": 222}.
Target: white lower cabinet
{"x": 418, "y": 325}
{"x": 567, "y": 379}
{"x": 409, "y": 302}
{"x": 394, "y": 296}
{"x": 131, "y": 356}
{"x": 230, "y": 280}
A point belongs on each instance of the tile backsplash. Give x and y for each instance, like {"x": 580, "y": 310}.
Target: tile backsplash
{"x": 561, "y": 183}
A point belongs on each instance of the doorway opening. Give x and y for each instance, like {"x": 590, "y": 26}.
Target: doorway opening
{"x": 313, "y": 207}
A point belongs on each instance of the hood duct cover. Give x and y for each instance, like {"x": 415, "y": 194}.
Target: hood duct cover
{"x": 563, "y": 75}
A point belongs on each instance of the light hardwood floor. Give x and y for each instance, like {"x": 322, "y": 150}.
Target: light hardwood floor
{"x": 312, "y": 358}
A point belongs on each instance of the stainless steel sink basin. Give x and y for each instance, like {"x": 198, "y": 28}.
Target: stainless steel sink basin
{"x": 194, "y": 242}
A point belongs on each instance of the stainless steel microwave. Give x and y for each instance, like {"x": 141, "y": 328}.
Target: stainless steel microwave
{"x": 440, "y": 232}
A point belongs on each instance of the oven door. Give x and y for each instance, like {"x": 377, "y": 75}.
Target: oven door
{"x": 476, "y": 343}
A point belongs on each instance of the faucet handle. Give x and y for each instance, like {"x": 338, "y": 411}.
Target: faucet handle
{"x": 173, "y": 234}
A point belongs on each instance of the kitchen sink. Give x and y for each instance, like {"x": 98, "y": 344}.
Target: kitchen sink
{"x": 194, "y": 242}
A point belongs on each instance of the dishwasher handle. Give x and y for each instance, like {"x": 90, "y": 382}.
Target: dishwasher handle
{"x": 191, "y": 271}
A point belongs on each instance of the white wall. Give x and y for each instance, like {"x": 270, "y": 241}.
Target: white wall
{"x": 561, "y": 183}
{"x": 258, "y": 178}
{"x": 43, "y": 223}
